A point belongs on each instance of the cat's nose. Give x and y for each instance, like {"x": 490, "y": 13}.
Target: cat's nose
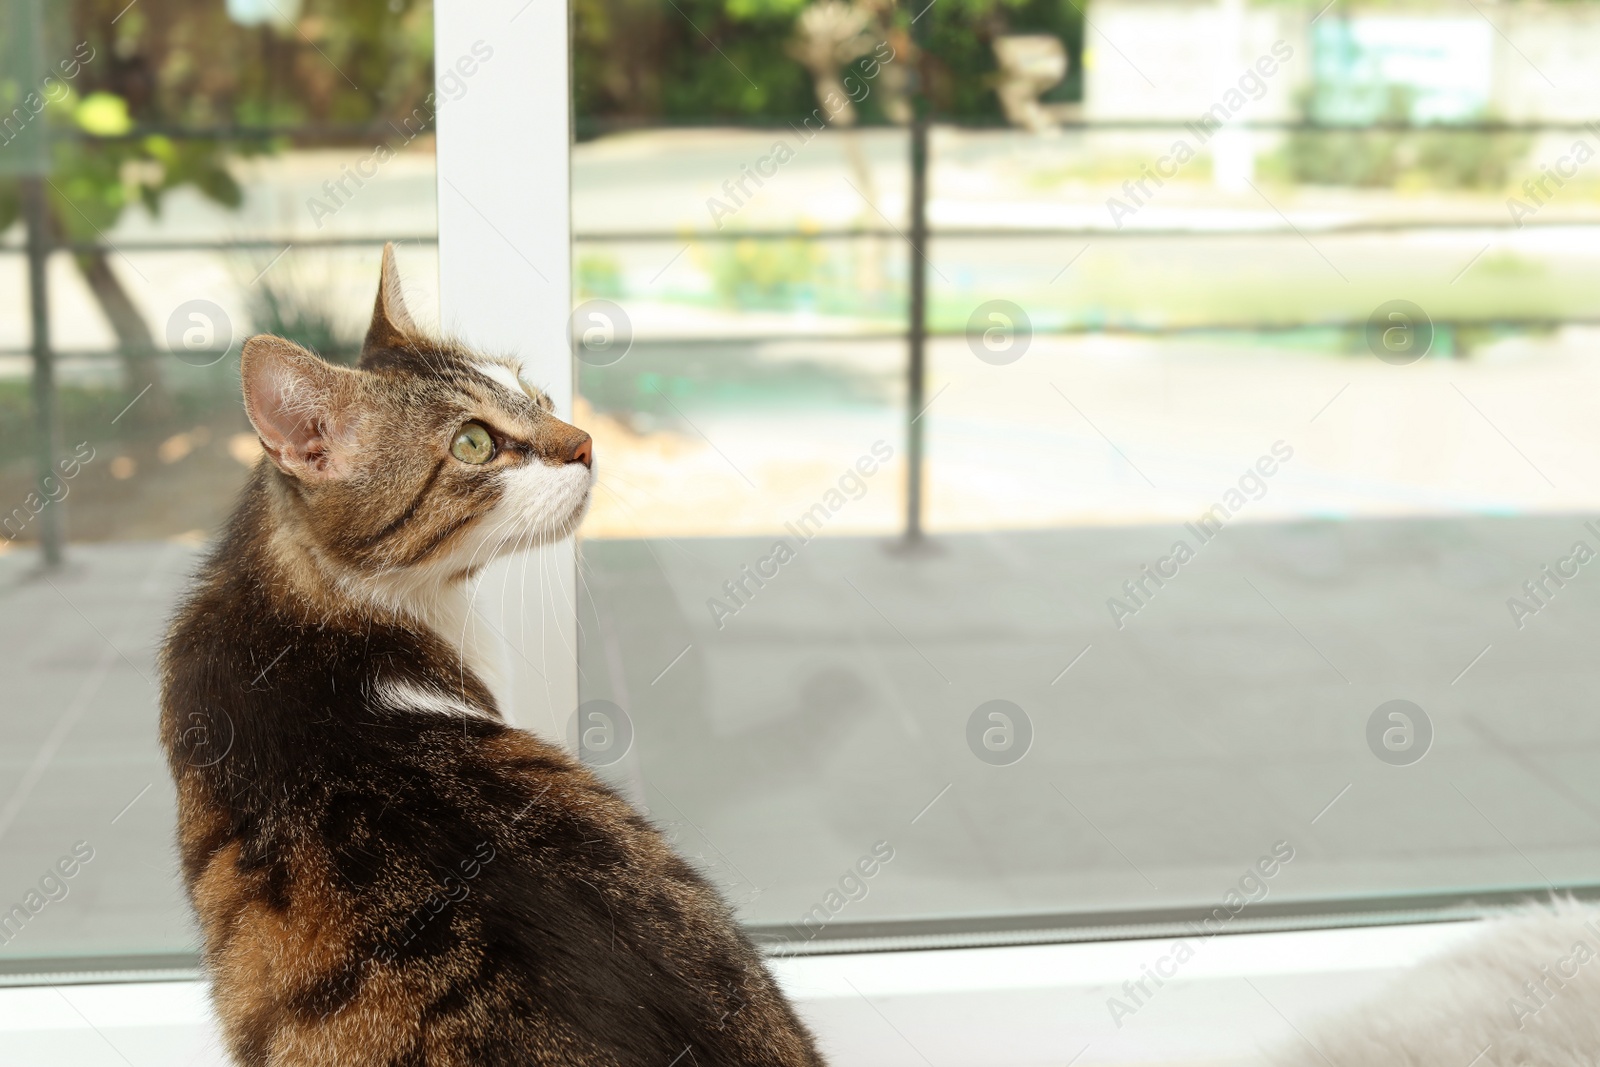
{"x": 583, "y": 451}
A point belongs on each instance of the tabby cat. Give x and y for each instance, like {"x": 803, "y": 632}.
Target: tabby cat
{"x": 385, "y": 873}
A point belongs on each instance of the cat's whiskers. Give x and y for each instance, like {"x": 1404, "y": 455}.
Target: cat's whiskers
{"x": 584, "y": 586}
{"x": 647, "y": 537}
{"x": 476, "y": 588}
{"x": 549, "y": 696}
{"x": 569, "y": 609}
{"x": 626, "y": 506}
{"x": 612, "y": 475}
{"x": 472, "y": 588}
{"x": 522, "y": 623}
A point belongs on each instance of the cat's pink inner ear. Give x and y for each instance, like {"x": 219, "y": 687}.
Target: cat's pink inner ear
{"x": 302, "y": 408}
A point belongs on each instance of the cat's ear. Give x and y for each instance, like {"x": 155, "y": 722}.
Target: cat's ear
{"x": 303, "y": 408}
{"x": 392, "y": 325}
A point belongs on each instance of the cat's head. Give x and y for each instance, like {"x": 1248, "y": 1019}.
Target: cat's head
{"x": 425, "y": 458}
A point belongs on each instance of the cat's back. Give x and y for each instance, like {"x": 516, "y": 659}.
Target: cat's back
{"x": 382, "y": 867}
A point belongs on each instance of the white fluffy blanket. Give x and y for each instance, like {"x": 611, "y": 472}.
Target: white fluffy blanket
{"x": 1524, "y": 994}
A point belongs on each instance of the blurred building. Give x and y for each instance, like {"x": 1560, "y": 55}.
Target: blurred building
{"x": 1450, "y": 62}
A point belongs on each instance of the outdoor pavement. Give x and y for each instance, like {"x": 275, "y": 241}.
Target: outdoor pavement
{"x": 831, "y": 714}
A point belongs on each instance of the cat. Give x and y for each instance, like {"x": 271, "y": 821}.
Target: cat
{"x": 384, "y": 872}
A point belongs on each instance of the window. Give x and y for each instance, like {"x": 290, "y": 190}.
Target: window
{"x": 194, "y": 173}
{"x": 1221, "y": 559}
{"x": 1246, "y": 567}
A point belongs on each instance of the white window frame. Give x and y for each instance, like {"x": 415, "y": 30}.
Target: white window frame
{"x": 505, "y": 275}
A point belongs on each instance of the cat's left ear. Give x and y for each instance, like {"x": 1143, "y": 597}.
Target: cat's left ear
{"x": 304, "y": 408}
{"x": 392, "y": 325}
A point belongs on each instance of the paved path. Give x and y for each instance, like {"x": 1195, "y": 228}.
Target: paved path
{"x": 831, "y": 713}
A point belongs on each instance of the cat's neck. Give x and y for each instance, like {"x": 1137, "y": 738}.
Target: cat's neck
{"x": 440, "y": 605}
{"x": 447, "y": 608}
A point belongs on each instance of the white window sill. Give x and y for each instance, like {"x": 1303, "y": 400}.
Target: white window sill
{"x": 1018, "y": 1006}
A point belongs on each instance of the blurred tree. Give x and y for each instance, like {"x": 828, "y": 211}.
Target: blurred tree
{"x": 640, "y": 62}
{"x": 1430, "y": 156}
{"x": 829, "y": 35}
{"x": 643, "y": 61}
{"x": 963, "y": 73}
{"x": 153, "y": 75}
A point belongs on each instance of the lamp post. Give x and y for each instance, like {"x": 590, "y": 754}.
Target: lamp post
{"x": 917, "y": 332}
{"x": 27, "y": 155}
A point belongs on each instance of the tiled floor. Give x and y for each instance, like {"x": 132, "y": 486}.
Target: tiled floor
{"x": 79, "y": 715}
{"x": 831, "y": 714}
{"x": 1224, "y": 717}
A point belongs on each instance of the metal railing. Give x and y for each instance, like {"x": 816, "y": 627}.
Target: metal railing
{"x": 39, "y": 244}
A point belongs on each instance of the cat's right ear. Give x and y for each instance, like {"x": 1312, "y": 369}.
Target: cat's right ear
{"x": 303, "y": 408}
{"x": 392, "y": 325}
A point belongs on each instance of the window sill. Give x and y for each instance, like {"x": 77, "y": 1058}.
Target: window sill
{"x": 1015, "y": 1006}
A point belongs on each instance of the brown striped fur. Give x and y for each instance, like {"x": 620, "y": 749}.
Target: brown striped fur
{"x": 385, "y": 873}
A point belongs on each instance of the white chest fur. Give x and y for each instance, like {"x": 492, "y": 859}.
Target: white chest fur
{"x": 449, "y": 611}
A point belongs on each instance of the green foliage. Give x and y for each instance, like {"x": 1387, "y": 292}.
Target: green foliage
{"x": 960, "y": 44}
{"x": 751, "y": 10}
{"x": 652, "y": 60}
{"x": 167, "y": 64}
{"x": 301, "y": 313}
{"x": 696, "y": 61}
{"x": 1464, "y": 160}
{"x": 767, "y": 273}
{"x": 1342, "y": 157}
{"x": 186, "y": 63}
{"x": 85, "y": 412}
{"x": 599, "y": 276}
{"x": 1432, "y": 157}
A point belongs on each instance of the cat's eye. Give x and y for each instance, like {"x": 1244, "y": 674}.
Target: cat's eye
{"x": 472, "y": 444}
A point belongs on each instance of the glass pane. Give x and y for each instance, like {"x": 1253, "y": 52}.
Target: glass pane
{"x": 213, "y": 171}
{"x": 1254, "y": 493}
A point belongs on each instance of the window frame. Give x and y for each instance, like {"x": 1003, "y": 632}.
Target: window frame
{"x": 505, "y": 271}
{"x": 505, "y": 284}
